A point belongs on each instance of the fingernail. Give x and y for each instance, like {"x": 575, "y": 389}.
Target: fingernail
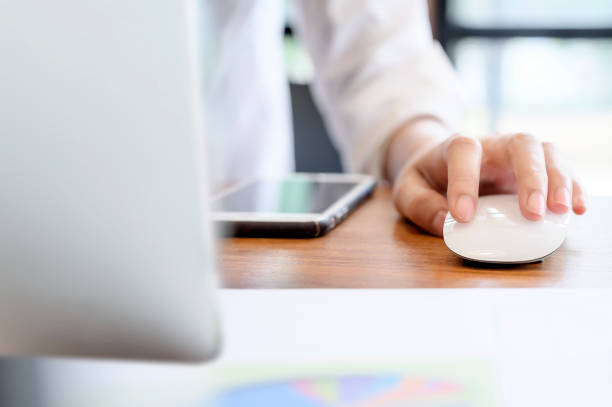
{"x": 438, "y": 221}
{"x": 536, "y": 203}
{"x": 562, "y": 196}
{"x": 465, "y": 208}
{"x": 579, "y": 202}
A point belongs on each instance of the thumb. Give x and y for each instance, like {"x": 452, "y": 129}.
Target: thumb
{"x": 416, "y": 200}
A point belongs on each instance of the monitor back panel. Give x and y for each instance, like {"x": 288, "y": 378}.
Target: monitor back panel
{"x": 105, "y": 248}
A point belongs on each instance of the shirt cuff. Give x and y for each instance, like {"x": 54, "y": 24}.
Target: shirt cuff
{"x": 429, "y": 87}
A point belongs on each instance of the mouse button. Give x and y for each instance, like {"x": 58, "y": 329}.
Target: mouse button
{"x": 552, "y": 235}
{"x": 557, "y": 218}
{"x": 473, "y": 234}
{"x": 502, "y": 221}
{"x": 538, "y": 240}
{"x": 511, "y": 216}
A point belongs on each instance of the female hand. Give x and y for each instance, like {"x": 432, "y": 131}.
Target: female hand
{"x": 432, "y": 174}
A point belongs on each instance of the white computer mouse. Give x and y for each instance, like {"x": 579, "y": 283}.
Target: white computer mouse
{"x": 499, "y": 233}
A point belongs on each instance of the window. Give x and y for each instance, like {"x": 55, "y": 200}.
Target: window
{"x": 543, "y": 67}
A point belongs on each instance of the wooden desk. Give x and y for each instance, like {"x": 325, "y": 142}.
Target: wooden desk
{"x": 374, "y": 247}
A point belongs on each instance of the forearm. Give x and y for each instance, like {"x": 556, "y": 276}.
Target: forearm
{"x": 411, "y": 139}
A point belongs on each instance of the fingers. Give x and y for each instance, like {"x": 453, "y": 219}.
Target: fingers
{"x": 463, "y": 157}
{"x": 511, "y": 163}
{"x": 559, "y": 181}
{"x": 528, "y": 163}
{"x": 417, "y": 201}
{"x": 578, "y": 198}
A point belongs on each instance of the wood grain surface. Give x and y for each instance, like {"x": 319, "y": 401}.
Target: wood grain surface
{"x": 375, "y": 248}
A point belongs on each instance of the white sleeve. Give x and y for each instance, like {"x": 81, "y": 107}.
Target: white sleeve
{"x": 377, "y": 67}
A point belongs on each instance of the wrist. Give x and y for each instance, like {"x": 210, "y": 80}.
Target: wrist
{"x": 410, "y": 141}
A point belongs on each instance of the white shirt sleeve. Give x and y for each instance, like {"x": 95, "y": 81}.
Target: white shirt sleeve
{"x": 376, "y": 67}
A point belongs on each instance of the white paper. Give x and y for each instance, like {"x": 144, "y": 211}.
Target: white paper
{"x": 545, "y": 346}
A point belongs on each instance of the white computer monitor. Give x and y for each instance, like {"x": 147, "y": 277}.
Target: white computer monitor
{"x": 105, "y": 241}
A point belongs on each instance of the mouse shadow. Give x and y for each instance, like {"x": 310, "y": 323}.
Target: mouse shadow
{"x": 482, "y": 265}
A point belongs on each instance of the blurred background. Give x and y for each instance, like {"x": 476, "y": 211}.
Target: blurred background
{"x": 543, "y": 67}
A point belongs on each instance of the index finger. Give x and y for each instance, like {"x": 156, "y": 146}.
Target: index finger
{"x": 463, "y": 157}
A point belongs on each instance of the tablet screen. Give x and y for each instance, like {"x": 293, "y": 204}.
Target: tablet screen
{"x": 291, "y": 195}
